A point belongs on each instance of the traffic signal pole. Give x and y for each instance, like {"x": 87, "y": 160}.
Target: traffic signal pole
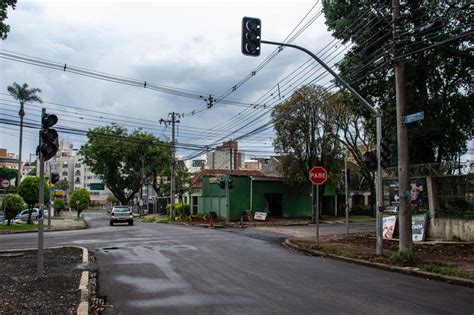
{"x": 378, "y": 115}
{"x": 41, "y": 206}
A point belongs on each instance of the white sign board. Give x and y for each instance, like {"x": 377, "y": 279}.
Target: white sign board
{"x": 418, "y": 227}
{"x": 5, "y": 183}
{"x": 389, "y": 224}
{"x": 261, "y": 216}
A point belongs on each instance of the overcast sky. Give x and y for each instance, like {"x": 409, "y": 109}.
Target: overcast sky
{"x": 192, "y": 46}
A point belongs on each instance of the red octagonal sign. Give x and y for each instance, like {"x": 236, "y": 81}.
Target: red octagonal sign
{"x": 318, "y": 175}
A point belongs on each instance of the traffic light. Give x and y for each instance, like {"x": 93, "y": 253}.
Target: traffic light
{"x": 369, "y": 158}
{"x": 251, "y": 36}
{"x": 54, "y": 178}
{"x": 49, "y": 137}
{"x": 384, "y": 153}
{"x": 222, "y": 184}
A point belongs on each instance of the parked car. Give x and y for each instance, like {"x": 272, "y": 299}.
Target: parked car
{"x": 23, "y": 216}
{"x": 121, "y": 214}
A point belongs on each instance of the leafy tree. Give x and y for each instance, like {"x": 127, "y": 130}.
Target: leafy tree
{"x": 12, "y": 205}
{"x": 33, "y": 172}
{"x": 122, "y": 159}
{"x": 80, "y": 200}
{"x": 58, "y": 205}
{"x": 112, "y": 199}
{"x": 5, "y": 28}
{"x": 438, "y": 79}
{"x": 23, "y": 95}
{"x": 306, "y": 136}
{"x": 29, "y": 191}
{"x": 8, "y": 173}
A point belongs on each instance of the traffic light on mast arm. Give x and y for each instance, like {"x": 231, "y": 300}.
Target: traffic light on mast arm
{"x": 49, "y": 137}
{"x": 251, "y": 36}
{"x": 384, "y": 153}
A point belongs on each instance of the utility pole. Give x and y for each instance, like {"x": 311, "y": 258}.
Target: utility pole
{"x": 346, "y": 188}
{"x": 173, "y": 121}
{"x": 404, "y": 214}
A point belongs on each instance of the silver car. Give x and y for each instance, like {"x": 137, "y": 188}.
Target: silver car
{"x": 23, "y": 216}
{"x": 121, "y": 214}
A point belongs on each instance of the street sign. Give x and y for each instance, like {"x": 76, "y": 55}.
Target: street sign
{"x": 97, "y": 186}
{"x": 5, "y": 183}
{"x": 318, "y": 175}
{"x": 413, "y": 117}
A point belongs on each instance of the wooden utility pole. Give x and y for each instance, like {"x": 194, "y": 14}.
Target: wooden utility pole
{"x": 173, "y": 122}
{"x": 404, "y": 216}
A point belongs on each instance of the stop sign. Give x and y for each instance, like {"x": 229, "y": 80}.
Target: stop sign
{"x": 318, "y": 175}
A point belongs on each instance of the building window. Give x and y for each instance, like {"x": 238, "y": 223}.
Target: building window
{"x": 78, "y": 180}
{"x": 89, "y": 177}
{"x": 64, "y": 173}
{"x": 78, "y": 172}
{"x": 78, "y": 165}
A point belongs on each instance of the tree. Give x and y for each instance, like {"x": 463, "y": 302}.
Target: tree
{"x": 23, "y": 94}
{"x": 29, "y": 191}
{"x": 124, "y": 159}
{"x": 356, "y": 137}
{"x": 58, "y": 205}
{"x": 5, "y": 28}
{"x": 8, "y": 173}
{"x": 12, "y": 205}
{"x": 80, "y": 200}
{"x": 112, "y": 200}
{"x": 437, "y": 79}
{"x": 305, "y": 136}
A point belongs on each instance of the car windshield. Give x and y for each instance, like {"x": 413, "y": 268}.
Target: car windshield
{"x": 121, "y": 209}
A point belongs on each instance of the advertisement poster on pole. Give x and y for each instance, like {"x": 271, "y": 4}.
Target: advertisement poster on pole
{"x": 389, "y": 225}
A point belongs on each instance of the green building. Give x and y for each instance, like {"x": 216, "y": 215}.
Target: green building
{"x": 253, "y": 191}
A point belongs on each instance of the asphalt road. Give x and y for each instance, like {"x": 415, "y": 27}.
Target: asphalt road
{"x": 159, "y": 268}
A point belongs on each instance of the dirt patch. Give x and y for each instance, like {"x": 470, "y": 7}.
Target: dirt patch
{"x": 455, "y": 259}
{"x": 57, "y": 292}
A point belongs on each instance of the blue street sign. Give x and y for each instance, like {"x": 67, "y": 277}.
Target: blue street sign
{"x": 413, "y": 117}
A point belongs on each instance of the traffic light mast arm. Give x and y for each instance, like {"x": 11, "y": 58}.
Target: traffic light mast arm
{"x": 378, "y": 114}
{"x": 328, "y": 69}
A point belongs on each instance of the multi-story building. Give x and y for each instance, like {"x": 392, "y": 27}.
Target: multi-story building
{"x": 226, "y": 157}
{"x": 68, "y": 164}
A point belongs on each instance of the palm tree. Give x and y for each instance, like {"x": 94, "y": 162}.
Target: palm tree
{"x": 23, "y": 94}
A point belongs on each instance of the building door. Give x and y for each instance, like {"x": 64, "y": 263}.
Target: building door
{"x": 274, "y": 204}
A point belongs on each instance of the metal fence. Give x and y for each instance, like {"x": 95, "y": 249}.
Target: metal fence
{"x": 455, "y": 196}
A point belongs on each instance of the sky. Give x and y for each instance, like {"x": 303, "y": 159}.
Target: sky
{"x": 187, "y": 46}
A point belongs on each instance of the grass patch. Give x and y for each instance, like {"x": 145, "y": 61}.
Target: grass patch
{"x": 361, "y": 218}
{"x": 447, "y": 271}
{"x": 402, "y": 257}
{"x": 18, "y": 227}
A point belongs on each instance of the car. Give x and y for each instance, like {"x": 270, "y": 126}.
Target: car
{"x": 121, "y": 214}
{"x": 2, "y": 216}
{"x": 23, "y": 216}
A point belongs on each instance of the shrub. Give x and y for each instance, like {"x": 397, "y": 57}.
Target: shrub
{"x": 58, "y": 205}
{"x": 362, "y": 210}
{"x": 181, "y": 209}
{"x": 12, "y": 204}
{"x": 403, "y": 257}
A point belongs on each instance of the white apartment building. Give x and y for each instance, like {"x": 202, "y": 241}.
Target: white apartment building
{"x": 225, "y": 157}
{"x": 68, "y": 164}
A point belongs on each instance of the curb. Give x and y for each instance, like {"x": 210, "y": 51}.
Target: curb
{"x": 403, "y": 270}
{"x": 82, "y": 227}
{"x": 83, "y": 308}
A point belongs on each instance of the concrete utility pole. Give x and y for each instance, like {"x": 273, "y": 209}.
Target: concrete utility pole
{"x": 173, "y": 122}
{"x": 404, "y": 212}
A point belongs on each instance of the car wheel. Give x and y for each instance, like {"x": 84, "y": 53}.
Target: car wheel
{"x": 130, "y": 222}
{"x": 111, "y": 223}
